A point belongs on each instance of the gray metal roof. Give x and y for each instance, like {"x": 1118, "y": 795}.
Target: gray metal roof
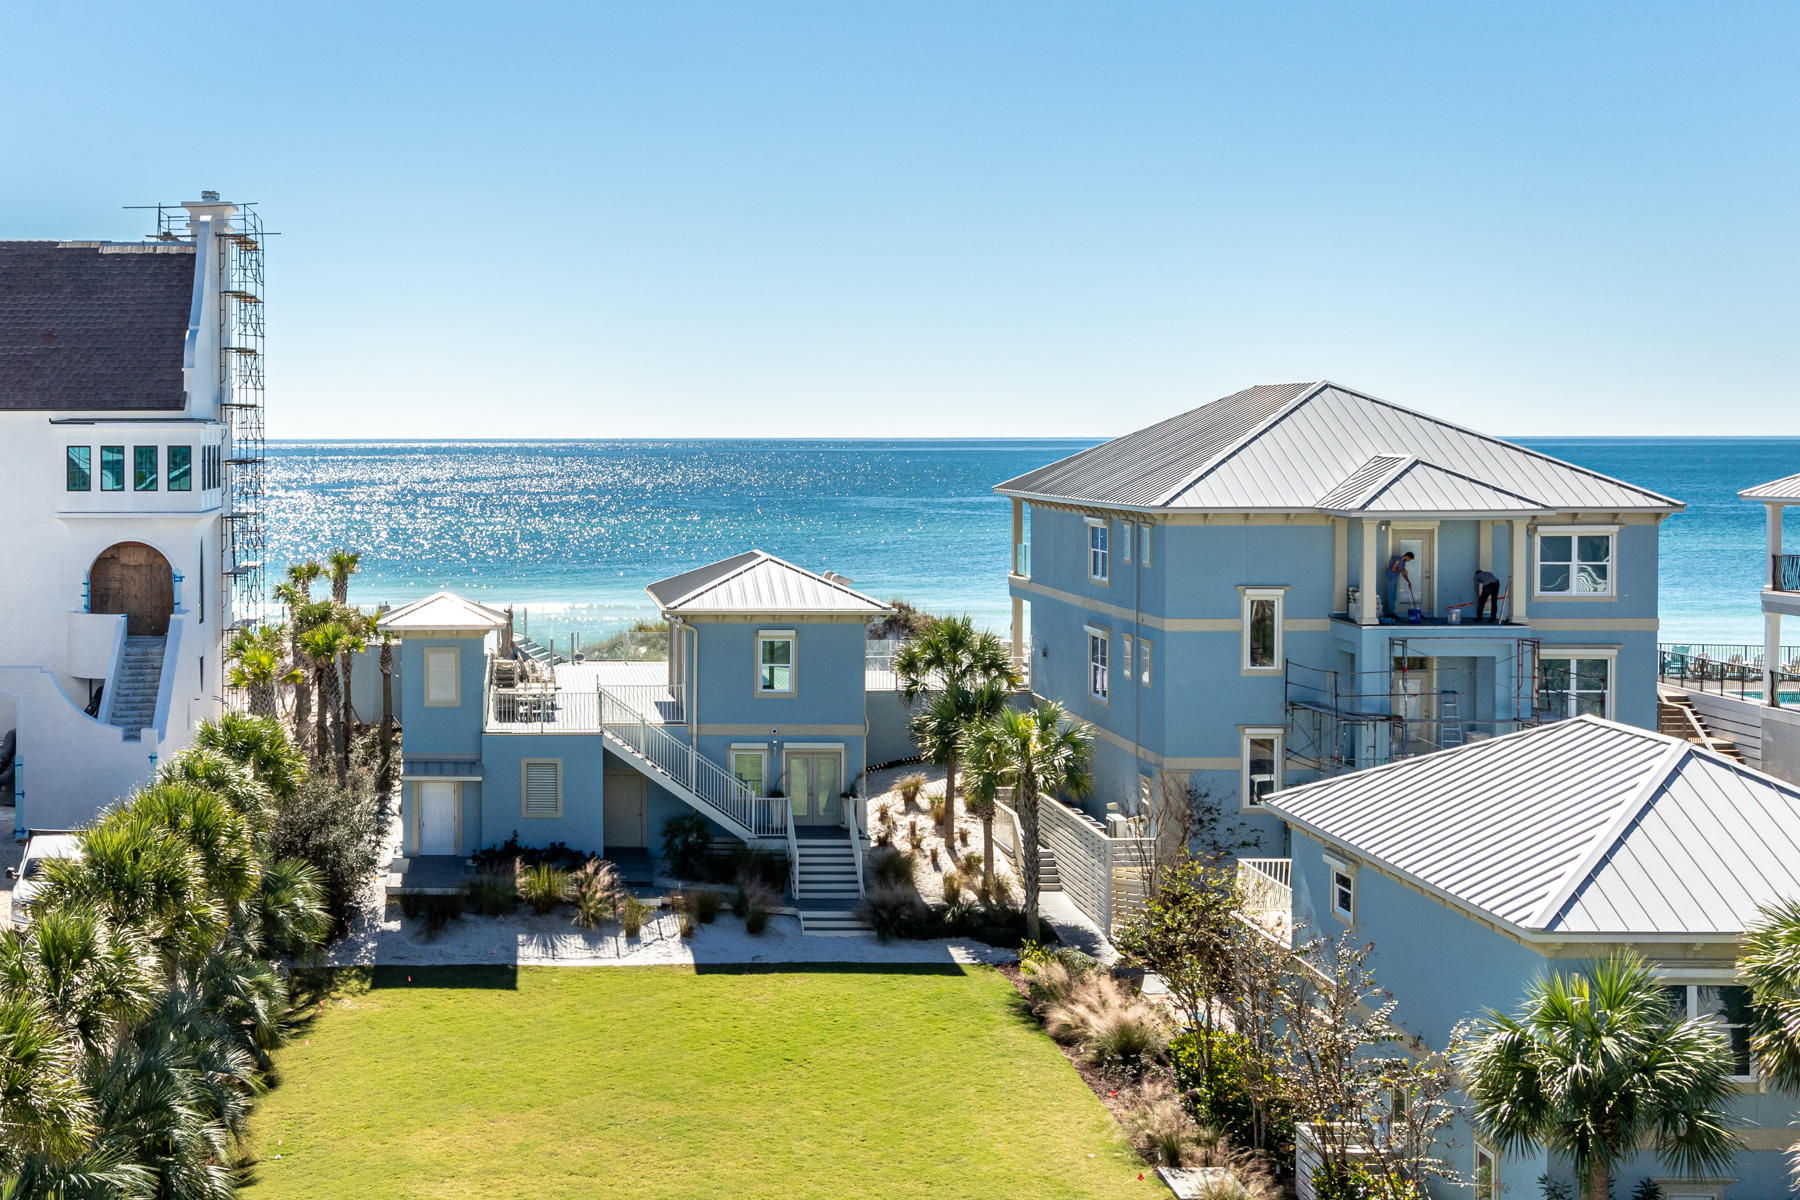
{"x": 755, "y": 582}
{"x": 1282, "y": 448}
{"x": 442, "y": 610}
{"x": 1390, "y": 484}
{"x": 1583, "y": 827}
{"x": 94, "y": 326}
{"x": 1785, "y": 488}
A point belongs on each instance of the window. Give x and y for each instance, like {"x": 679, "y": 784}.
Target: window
{"x": 749, "y": 767}
{"x": 143, "y": 475}
{"x": 1144, "y": 545}
{"x": 775, "y": 662}
{"x": 443, "y": 676}
{"x": 1098, "y": 564}
{"x": 1098, "y": 653}
{"x": 1727, "y": 1006}
{"x": 1487, "y": 1174}
{"x": 1125, "y": 658}
{"x": 1574, "y": 687}
{"x": 80, "y": 468}
{"x": 181, "y": 468}
{"x": 1146, "y": 795}
{"x": 112, "y": 468}
{"x": 1343, "y": 888}
{"x": 1575, "y": 561}
{"x": 540, "y": 787}
{"x": 1261, "y": 752}
{"x": 1144, "y": 648}
{"x": 1128, "y": 535}
{"x": 209, "y": 467}
{"x": 1262, "y": 629}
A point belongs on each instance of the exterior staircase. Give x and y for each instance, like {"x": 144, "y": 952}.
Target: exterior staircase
{"x": 134, "y": 690}
{"x": 1675, "y": 716}
{"x": 826, "y": 890}
{"x": 1048, "y": 879}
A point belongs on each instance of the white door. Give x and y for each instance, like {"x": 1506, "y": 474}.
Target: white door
{"x": 437, "y": 817}
{"x": 1422, "y": 544}
{"x": 624, "y": 803}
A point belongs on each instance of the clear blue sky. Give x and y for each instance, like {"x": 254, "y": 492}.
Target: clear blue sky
{"x": 983, "y": 219}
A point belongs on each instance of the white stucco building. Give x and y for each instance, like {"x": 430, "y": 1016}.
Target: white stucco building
{"x": 125, "y": 441}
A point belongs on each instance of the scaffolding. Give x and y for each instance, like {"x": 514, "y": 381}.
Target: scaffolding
{"x": 1340, "y": 721}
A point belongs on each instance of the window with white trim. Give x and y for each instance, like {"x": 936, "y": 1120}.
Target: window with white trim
{"x": 1260, "y": 773}
{"x": 1145, "y": 648}
{"x": 1486, "y": 1175}
{"x": 1575, "y": 560}
{"x": 443, "y": 676}
{"x": 1727, "y": 1007}
{"x": 1262, "y": 629}
{"x": 1099, "y": 543}
{"x": 1574, "y": 685}
{"x": 1144, "y": 544}
{"x": 775, "y": 662}
{"x": 1099, "y": 651}
{"x": 749, "y": 766}
{"x": 540, "y": 787}
{"x": 1343, "y": 888}
{"x": 1127, "y": 661}
{"x": 1127, "y": 535}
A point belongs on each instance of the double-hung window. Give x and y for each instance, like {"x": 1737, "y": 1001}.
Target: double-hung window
{"x": 80, "y": 466}
{"x": 112, "y": 468}
{"x": 1575, "y": 560}
{"x": 1127, "y": 537}
{"x": 181, "y": 468}
{"x": 749, "y": 766}
{"x": 1261, "y": 768}
{"x": 1487, "y": 1174}
{"x": 1343, "y": 888}
{"x": 1099, "y": 654}
{"x": 1126, "y": 659}
{"x": 1145, "y": 647}
{"x": 1262, "y": 629}
{"x": 1144, "y": 544}
{"x": 1099, "y": 551}
{"x": 1727, "y": 1008}
{"x": 143, "y": 475}
{"x": 1575, "y": 684}
{"x": 775, "y": 663}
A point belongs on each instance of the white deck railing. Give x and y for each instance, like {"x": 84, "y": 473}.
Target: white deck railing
{"x": 703, "y": 779}
{"x": 1107, "y": 878}
{"x": 1267, "y": 891}
{"x": 659, "y": 703}
{"x": 543, "y": 708}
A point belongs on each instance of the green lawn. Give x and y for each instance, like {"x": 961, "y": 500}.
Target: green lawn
{"x": 663, "y": 1083}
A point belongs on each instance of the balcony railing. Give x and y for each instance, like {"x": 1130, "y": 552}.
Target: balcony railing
{"x": 1739, "y": 675}
{"x": 1266, "y": 886}
{"x": 1784, "y": 572}
{"x": 1022, "y": 560}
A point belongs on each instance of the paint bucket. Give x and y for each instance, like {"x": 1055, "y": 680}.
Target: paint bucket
{"x": 1414, "y": 615}
{"x": 1454, "y": 616}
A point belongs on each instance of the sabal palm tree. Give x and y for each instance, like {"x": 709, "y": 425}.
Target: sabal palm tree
{"x": 1594, "y": 1066}
{"x": 343, "y": 566}
{"x": 942, "y": 729}
{"x": 95, "y": 981}
{"x": 1036, "y": 752}
{"x": 302, "y": 575}
{"x": 1770, "y": 964}
{"x": 959, "y": 666}
{"x": 384, "y": 767}
{"x": 44, "y": 1110}
{"x": 222, "y": 840}
{"x": 261, "y": 746}
{"x": 320, "y": 646}
{"x": 287, "y": 917}
{"x": 294, "y": 598}
{"x": 357, "y": 629}
{"x": 216, "y": 772}
{"x": 255, "y": 655}
{"x": 135, "y": 876}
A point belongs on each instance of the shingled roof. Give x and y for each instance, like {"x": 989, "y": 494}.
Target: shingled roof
{"x": 94, "y": 326}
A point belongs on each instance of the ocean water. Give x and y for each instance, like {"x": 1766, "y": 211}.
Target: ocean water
{"x": 572, "y": 531}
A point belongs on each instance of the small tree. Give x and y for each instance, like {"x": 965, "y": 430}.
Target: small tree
{"x": 1771, "y": 966}
{"x": 1184, "y": 934}
{"x": 967, "y": 673}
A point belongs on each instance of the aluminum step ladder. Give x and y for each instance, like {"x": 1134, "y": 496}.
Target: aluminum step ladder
{"x": 1450, "y": 726}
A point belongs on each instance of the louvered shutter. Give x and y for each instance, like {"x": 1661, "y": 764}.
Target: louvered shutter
{"x": 441, "y": 666}
{"x": 543, "y": 789}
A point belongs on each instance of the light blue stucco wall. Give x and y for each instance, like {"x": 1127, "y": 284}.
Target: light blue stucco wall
{"x": 436, "y": 731}
{"x": 1444, "y": 966}
{"x": 582, "y": 825}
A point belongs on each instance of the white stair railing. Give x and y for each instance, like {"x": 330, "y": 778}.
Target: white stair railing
{"x": 706, "y": 781}
{"x": 856, "y": 853}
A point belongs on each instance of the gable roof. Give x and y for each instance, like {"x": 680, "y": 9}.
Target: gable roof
{"x": 442, "y": 610}
{"x": 1580, "y": 827}
{"x": 1286, "y": 447}
{"x": 1785, "y": 488}
{"x": 755, "y": 582}
{"x": 1403, "y": 484}
{"x": 91, "y": 326}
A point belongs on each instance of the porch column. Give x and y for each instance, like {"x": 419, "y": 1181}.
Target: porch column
{"x": 1018, "y": 634}
{"x": 1018, "y": 534}
{"x": 1518, "y": 571}
{"x": 1340, "y": 564}
{"x": 1484, "y": 546}
{"x": 1366, "y": 594}
{"x": 1772, "y": 620}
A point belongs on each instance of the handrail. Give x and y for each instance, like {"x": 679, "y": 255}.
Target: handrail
{"x": 1784, "y": 572}
{"x": 849, "y": 803}
{"x": 707, "y": 782}
{"x": 793, "y": 861}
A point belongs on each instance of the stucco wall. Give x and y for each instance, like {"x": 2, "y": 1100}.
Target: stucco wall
{"x": 434, "y": 730}
{"x": 582, "y": 824}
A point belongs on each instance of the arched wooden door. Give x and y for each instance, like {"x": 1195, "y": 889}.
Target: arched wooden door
{"x": 136, "y": 580}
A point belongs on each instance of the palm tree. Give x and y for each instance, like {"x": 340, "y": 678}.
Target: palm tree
{"x": 287, "y": 917}
{"x": 343, "y": 566}
{"x": 255, "y": 655}
{"x": 942, "y": 729}
{"x": 1594, "y": 1066}
{"x": 261, "y": 746}
{"x": 95, "y": 981}
{"x": 1770, "y": 964}
{"x": 218, "y": 772}
{"x": 321, "y": 645}
{"x": 384, "y": 768}
{"x": 133, "y": 875}
{"x": 1035, "y": 752}
{"x": 43, "y": 1107}
{"x": 357, "y": 629}
{"x": 961, "y": 666}
{"x": 302, "y": 574}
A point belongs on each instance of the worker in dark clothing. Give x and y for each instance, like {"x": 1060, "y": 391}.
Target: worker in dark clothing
{"x": 1487, "y": 595}
{"x": 1396, "y": 571}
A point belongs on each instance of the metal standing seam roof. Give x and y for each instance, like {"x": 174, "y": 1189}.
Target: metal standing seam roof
{"x": 756, "y": 582}
{"x": 94, "y": 326}
{"x": 1785, "y": 488}
{"x": 442, "y": 610}
{"x": 1281, "y": 448}
{"x": 1583, "y": 827}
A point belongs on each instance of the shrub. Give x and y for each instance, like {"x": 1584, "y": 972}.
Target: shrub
{"x": 1224, "y": 1101}
{"x": 705, "y": 904}
{"x": 1108, "y": 1025}
{"x": 511, "y": 855}
{"x": 953, "y": 887}
{"x": 543, "y": 887}
{"x": 686, "y": 846}
{"x": 1001, "y": 891}
{"x": 962, "y": 836}
{"x": 631, "y": 914}
{"x": 493, "y": 894}
{"x": 768, "y": 867}
{"x": 596, "y": 889}
{"x": 910, "y": 787}
{"x": 884, "y": 812}
{"x": 758, "y": 902}
{"x": 937, "y": 811}
{"x": 1162, "y": 1129}
{"x": 679, "y": 904}
{"x": 886, "y": 865}
{"x": 1051, "y": 973}
{"x": 1347, "y": 1183}
{"x": 893, "y": 911}
{"x": 339, "y": 832}
{"x": 970, "y": 864}
{"x": 434, "y": 912}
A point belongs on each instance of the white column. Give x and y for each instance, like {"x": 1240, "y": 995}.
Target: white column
{"x": 1771, "y": 657}
{"x": 1340, "y": 562}
{"x": 1484, "y": 546}
{"x": 1018, "y": 633}
{"x": 1018, "y": 533}
{"x": 1518, "y": 570}
{"x": 1367, "y": 593}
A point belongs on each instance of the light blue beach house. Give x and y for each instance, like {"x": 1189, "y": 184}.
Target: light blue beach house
{"x": 756, "y": 720}
{"x": 1476, "y": 870}
{"x": 1212, "y": 595}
